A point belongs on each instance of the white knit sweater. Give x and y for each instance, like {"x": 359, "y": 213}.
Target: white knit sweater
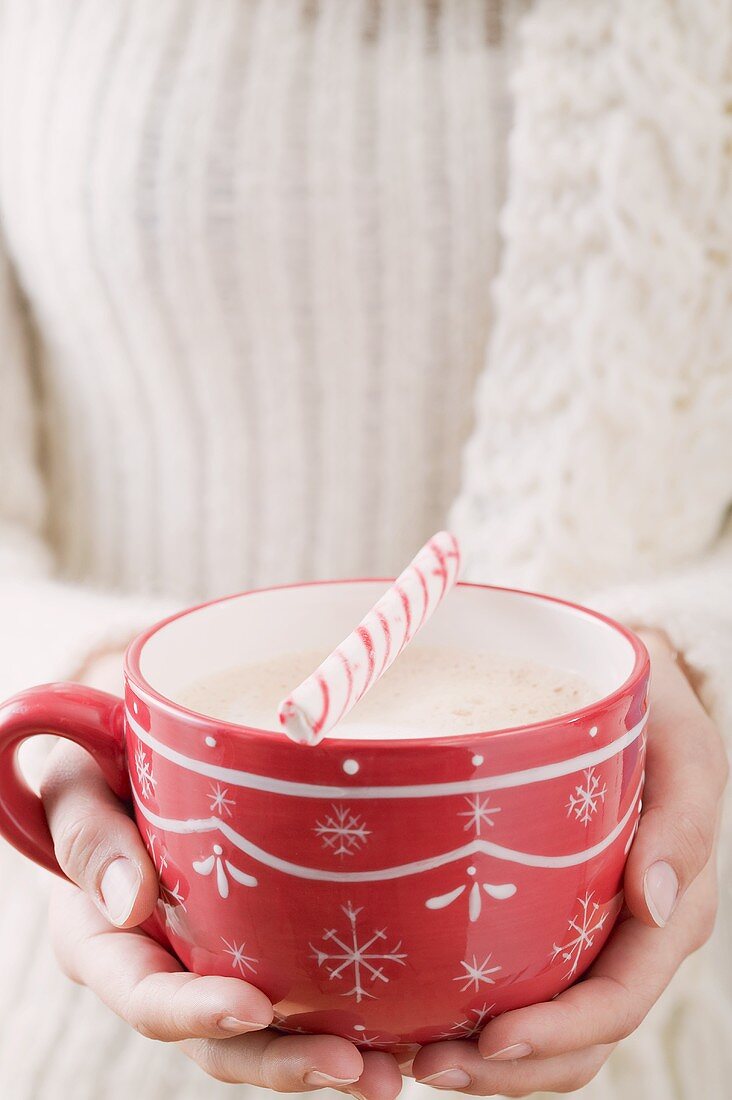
{"x": 247, "y": 248}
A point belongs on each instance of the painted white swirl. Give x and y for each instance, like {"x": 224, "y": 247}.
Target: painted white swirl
{"x": 255, "y": 782}
{"x": 478, "y": 845}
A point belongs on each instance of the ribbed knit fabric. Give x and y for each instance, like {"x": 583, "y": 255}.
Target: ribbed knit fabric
{"x": 251, "y": 235}
{"x": 234, "y": 222}
{"x": 245, "y": 278}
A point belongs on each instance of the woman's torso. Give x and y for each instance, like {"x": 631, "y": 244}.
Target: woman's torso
{"x": 257, "y": 239}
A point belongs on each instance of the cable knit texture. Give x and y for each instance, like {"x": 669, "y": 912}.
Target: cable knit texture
{"x": 250, "y": 234}
{"x": 247, "y": 248}
{"x": 601, "y": 464}
{"x": 608, "y": 402}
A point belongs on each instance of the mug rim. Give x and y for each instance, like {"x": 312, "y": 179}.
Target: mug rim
{"x": 238, "y": 730}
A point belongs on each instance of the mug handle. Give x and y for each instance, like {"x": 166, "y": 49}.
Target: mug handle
{"x": 93, "y": 719}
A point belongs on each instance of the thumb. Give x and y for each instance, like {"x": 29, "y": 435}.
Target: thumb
{"x": 97, "y": 845}
{"x": 686, "y": 773}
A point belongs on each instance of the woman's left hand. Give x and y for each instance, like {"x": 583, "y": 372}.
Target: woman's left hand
{"x": 670, "y": 892}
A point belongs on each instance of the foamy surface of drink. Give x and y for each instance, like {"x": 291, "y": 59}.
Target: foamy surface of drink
{"x": 427, "y": 692}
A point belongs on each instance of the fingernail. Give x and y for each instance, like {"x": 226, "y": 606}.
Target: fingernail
{"x": 660, "y": 889}
{"x": 315, "y": 1077}
{"x": 119, "y": 888}
{"x": 506, "y": 1054}
{"x": 447, "y": 1079}
{"x": 232, "y": 1024}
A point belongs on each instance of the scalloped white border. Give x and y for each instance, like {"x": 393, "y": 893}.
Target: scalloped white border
{"x": 486, "y": 847}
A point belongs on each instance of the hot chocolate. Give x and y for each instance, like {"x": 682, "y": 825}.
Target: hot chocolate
{"x": 428, "y": 692}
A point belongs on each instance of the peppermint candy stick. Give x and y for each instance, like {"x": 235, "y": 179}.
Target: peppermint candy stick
{"x": 326, "y": 697}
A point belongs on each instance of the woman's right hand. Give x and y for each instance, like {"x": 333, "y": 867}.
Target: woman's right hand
{"x": 221, "y": 1023}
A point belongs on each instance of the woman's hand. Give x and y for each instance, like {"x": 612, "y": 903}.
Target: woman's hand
{"x": 671, "y": 895}
{"x": 222, "y": 1023}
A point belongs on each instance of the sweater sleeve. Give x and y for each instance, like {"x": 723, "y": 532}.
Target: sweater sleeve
{"x": 694, "y": 606}
{"x": 600, "y": 466}
{"x": 47, "y": 627}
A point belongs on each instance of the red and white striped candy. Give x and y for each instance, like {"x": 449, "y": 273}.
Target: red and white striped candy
{"x": 326, "y": 697}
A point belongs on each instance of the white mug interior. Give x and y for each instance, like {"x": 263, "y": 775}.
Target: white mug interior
{"x": 255, "y": 626}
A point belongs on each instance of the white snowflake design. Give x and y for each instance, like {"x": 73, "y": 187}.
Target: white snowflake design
{"x": 479, "y": 814}
{"x": 584, "y": 925}
{"x": 223, "y": 869}
{"x": 342, "y": 831}
{"x": 239, "y": 961}
{"x": 173, "y": 893}
{"x": 366, "y": 962}
{"x": 220, "y": 800}
{"x": 361, "y": 1036}
{"x": 472, "y": 1025}
{"x": 145, "y": 776}
{"x": 159, "y": 858}
{"x": 173, "y": 907}
{"x": 476, "y": 972}
{"x": 587, "y": 797}
{"x": 171, "y": 915}
{"x": 280, "y": 1022}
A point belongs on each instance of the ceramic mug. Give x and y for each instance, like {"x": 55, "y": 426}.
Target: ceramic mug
{"x": 395, "y": 891}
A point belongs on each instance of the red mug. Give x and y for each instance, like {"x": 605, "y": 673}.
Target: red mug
{"x": 394, "y": 891}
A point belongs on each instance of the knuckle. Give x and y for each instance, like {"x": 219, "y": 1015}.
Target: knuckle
{"x": 693, "y": 839}
{"x": 573, "y": 1021}
{"x": 79, "y": 845}
{"x": 64, "y": 920}
{"x": 629, "y": 1011}
{"x": 722, "y": 765}
{"x": 704, "y": 925}
{"x": 178, "y": 1005}
{"x": 628, "y": 1022}
{"x": 209, "y": 1055}
{"x": 144, "y": 1029}
{"x": 713, "y": 757}
{"x": 184, "y": 1004}
{"x": 61, "y": 955}
{"x": 59, "y": 767}
{"x": 64, "y": 967}
{"x": 577, "y": 1080}
{"x": 584, "y": 1073}
{"x": 144, "y": 995}
{"x": 717, "y": 767}
{"x": 133, "y": 1010}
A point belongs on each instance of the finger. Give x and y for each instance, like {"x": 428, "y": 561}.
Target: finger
{"x": 285, "y": 1063}
{"x": 456, "y": 1065}
{"x": 381, "y": 1078}
{"x": 627, "y": 979}
{"x": 291, "y": 1063}
{"x": 686, "y": 773}
{"x": 140, "y": 981}
{"x": 406, "y": 1059}
{"x": 96, "y": 843}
